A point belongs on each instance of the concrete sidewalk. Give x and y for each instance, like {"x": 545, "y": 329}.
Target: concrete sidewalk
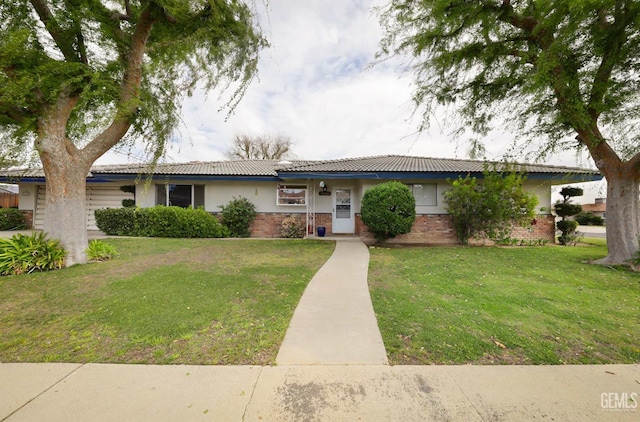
{"x": 334, "y": 323}
{"x": 99, "y": 392}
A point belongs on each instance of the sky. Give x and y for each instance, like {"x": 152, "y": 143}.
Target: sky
{"x": 318, "y": 85}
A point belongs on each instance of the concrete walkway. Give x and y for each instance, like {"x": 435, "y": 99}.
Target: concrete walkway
{"x": 91, "y": 234}
{"x": 334, "y": 323}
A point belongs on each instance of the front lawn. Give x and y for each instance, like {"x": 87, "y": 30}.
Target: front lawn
{"x": 163, "y": 301}
{"x": 486, "y": 305}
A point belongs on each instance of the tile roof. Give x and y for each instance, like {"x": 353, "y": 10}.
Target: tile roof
{"x": 401, "y": 163}
{"x": 272, "y": 168}
{"x": 201, "y": 168}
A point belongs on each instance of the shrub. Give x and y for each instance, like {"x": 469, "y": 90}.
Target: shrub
{"x": 128, "y": 188}
{"x": 490, "y": 208}
{"x": 237, "y": 216}
{"x": 127, "y": 203}
{"x": 101, "y": 251}
{"x": 159, "y": 221}
{"x": 117, "y": 221}
{"x": 388, "y": 210}
{"x": 24, "y": 254}
{"x": 11, "y": 219}
{"x": 568, "y": 235}
{"x": 589, "y": 219}
{"x": 292, "y": 228}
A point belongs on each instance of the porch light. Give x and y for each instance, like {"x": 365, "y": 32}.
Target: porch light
{"x": 324, "y": 191}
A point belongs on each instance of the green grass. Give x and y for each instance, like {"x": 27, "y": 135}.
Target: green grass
{"x": 486, "y": 305}
{"x": 162, "y": 301}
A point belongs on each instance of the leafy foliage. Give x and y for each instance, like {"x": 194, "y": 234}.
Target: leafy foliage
{"x": 490, "y": 208}
{"x": 589, "y": 219}
{"x": 101, "y": 251}
{"x": 22, "y": 254}
{"x": 388, "y": 209}
{"x": 78, "y": 78}
{"x": 561, "y": 74}
{"x": 11, "y": 219}
{"x": 558, "y": 65}
{"x": 292, "y": 227}
{"x": 127, "y": 203}
{"x": 159, "y": 221}
{"x": 87, "y": 52}
{"x": 237, "y": 216}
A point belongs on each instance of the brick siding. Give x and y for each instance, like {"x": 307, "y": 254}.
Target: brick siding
{"x": 428, "y": 228}
{"x": 438, "y": 229}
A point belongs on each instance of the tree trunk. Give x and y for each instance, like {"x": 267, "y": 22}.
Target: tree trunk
{"x": 65, "y": 170}
{"x": 622, "y": 217}
{"x": 65, "y": 216}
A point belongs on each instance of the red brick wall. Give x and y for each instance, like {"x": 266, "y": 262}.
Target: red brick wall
{"x": 544, "y": 228}
{"x": 428, "y": 228}
{"x": 439, "y": 229}
{"x": 325, "y": 220}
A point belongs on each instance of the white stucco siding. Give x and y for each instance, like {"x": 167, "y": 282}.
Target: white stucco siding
{"x": 542, "y": 190}
{"x": 261, "y": 194}
{"x": 145, "y": 194}
{"x": 28, "y": 196}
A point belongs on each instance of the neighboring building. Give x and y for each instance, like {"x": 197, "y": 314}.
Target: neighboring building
{"x": 319, "y": 193}
{"x": 598, "y": 208}
{"x": 9, "y": 197}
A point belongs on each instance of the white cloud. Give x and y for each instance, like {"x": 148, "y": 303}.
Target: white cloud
{"x": 316, "y": 86}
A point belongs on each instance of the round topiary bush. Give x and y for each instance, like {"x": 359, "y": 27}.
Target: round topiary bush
{"x": 388, "y": 210}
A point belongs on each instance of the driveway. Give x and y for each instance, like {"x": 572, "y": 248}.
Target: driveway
{"x": 593, "y": 231}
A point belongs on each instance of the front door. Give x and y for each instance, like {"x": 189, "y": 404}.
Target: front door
{"x": 343, "y": 221}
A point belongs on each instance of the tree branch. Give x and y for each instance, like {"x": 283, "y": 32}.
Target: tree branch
{"x": 127, "y": 104}
{"x": 15, "y": 113}
{"x": 56, "y": 32}
{"x": 615, "y": 38}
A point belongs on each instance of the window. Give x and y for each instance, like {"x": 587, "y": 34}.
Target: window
{"x": 425, "y": 194}
{"x": 292, "y": 195}
{"x": 180, "y": 195}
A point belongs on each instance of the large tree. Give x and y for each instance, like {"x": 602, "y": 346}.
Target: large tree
{"x": 259, "y": 147}
{"x": 565, "y": 71}
{"x": 78, "y": 77}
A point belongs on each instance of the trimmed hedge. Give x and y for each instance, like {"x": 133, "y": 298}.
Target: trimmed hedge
{"x": 589, "y": 219}
{"x": 159, "y": 221}
{"x": 11, "y": 219}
